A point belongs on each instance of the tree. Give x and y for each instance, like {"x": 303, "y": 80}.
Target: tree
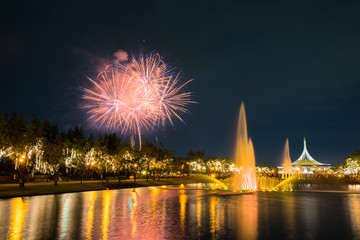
{"x": 35, "y": 140}
{"x": 164, "y": 159}
{"x": 355, "y": 156}
{"x": 4, "y": 134}
{"x": 17, "y": 142}
{"x": 148, "y": 157}
{"x": 54, "y": 153}
{"x": 181, "y": 165}
{"x": 197, "y": 161}
{"x": 350, "y": 167}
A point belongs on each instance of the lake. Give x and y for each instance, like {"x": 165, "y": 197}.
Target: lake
{"x": 165, "y": 213}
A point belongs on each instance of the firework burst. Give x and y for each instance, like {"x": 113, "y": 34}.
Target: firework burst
{"x": 135, "y": 97}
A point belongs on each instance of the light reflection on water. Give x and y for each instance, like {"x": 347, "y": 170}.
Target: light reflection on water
{"x": 248, "y": 217}
{"x": 89, "y": 209}
{"x": 354, "y": 209}
{"x": 107, "y": 197}
{"x": 182, "y": 200}
{"x": 19, "y": 209}
{"x": 155, "y": 213}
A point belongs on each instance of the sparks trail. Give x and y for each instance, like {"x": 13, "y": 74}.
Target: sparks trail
{"x": 134, "y": 97}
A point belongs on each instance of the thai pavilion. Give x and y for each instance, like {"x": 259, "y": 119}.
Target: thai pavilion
{"x": 306, "y": 164}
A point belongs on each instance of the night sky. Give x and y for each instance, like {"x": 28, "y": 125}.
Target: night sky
{"x": 296, "y": 65}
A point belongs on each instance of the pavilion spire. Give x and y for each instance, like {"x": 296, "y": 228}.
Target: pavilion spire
{"x": 305, "y": 157}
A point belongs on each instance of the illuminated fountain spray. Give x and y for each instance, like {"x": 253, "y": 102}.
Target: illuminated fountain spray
{"x": 244, "y": 157}
{"x": 287, "y": 170}
{"x": 287, "y": 173}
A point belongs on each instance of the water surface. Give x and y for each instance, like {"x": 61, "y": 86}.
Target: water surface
{"x": 156, "y": 213}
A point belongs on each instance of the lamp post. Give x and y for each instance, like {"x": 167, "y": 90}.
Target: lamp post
{"x": 22, "y": 171}
{"x": 67, "y": 160}
{"x": 135, "y": 166}
{"x": 92, "y": 169}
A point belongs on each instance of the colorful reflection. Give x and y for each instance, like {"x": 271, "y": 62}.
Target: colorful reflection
{"x": 214, "y": 218}
{"x": 290, "y": 214}
{"x": 198, "y": 215}
{"x": 310, "y": 212}
{"x": 156, "y": 213}
{"x": 354, "y": 209}
{"x": 154, "y": 193}
{"x": 65, "y": 216}
{"x": 19, "y": 208}
{"x": 92, "y": 196}
{"x": 106, "y": 203}
{"x": 247, "y": 215}
{"x": 182, "y": 200}
{"x": 133, "y": 202}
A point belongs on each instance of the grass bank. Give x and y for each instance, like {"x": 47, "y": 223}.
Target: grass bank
{"x": 43, "y": 188}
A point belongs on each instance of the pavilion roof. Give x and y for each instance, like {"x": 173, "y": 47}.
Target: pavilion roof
{"x": 306, "y": 159}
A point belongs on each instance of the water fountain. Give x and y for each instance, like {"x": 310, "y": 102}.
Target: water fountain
{"x": 287, "y": 167}
{"x": 246, "y": 180}
{"x": 287, "y": 173}
{"x": 244, "y": 156}
{"x": 245, "y": 160}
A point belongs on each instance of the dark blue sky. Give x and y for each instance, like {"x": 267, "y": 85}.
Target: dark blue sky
{"x": 295, "y": 64}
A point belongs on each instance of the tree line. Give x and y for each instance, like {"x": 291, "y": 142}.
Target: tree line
{"x": 33, "y": 148}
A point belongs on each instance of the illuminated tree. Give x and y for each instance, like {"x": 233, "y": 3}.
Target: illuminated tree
{"x": 351, "y": 167}
{"x": 55, "y": 157}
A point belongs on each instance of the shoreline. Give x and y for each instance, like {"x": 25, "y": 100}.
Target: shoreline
{"x": 12, "y": 190}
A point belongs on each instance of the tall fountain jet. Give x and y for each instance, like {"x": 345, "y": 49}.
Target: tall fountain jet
{"x": 287, "y": 160}
{"x": 245, "y": 156}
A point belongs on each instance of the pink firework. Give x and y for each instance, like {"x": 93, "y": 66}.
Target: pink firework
{"x": 136, "y": 96}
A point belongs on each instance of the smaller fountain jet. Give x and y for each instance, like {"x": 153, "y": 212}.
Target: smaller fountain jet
{"x": 287, "y": 167}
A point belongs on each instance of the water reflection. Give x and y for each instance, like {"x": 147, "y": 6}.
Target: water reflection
{"x": 90, "y": 214}
{"x": 214, "y": 221}
{"x": 198, "y": 215}
{"x": 354, "y": 209}
{"x": 182, "y": 200}
{"x": 310, "y": 216}
{"x": 132, "y": 205}
{"x": 290, "y": 224}
{"x": 155, "y": 213}
{"x": 65, "y": 217}
{"x": 154, "y": 193}
{"x": 355, "y": 187}
{"x": 247, "y": 216}
{"x": 19, "y": 208}
{"x": 106, "y": 198}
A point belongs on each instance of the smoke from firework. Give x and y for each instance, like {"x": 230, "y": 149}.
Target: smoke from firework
{"x": 121, "y": 56}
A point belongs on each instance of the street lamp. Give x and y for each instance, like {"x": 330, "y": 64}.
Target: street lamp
{"x": 21, "y": 171}
{"x": 22, "y": 158}
{"x": 135, "y": 166}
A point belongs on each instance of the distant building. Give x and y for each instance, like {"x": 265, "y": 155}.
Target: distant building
{"x": 307, "y": 164}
